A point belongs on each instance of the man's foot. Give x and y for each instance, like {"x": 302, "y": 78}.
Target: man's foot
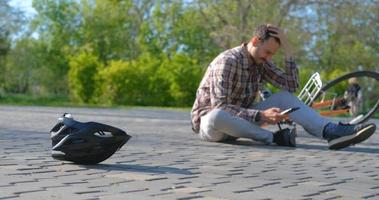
{"x": 343, "y": 135}
{"x": 285, "y": 137}
{"x": 230, "y": 138}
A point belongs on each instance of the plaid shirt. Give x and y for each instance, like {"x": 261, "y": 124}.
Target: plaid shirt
{"x": 231, "y": 83}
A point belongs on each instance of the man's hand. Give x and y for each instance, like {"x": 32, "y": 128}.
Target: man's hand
{"x": 278, "y": 33}
{"x": 272, "y": 116}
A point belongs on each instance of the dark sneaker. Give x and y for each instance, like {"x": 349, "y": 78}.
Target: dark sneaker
{"x": 345, "y": 135}
{"x": 230, "y": 138}
{"x": 285, "y": 137}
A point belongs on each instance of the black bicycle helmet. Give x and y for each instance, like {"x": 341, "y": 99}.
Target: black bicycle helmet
{"x": 85, "y": 143}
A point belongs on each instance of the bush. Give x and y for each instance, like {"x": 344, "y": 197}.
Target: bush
{"x": 183, "y": 74}
{"x": 120, "y": 83}
{"x": 82, "y": 76}
{"x": 150, "y": 80}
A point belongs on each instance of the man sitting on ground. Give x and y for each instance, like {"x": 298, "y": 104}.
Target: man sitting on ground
{"x": 224, "y": 107}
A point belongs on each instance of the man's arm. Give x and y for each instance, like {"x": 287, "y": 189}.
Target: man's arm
{"x": 288, "y": 80}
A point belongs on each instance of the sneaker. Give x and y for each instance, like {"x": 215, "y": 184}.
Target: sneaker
{"x": 285, "y": 137}
{"x": 230, "y": 138}
{"x": 343, "y": 135}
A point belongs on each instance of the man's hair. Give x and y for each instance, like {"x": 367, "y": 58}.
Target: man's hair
{"x": 263, "y": 33}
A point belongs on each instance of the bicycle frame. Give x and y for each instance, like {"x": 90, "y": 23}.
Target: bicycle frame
{"x": 312, "y": 89}
{"x": 331, "y": 104}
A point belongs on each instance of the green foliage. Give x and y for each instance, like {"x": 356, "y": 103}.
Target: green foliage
{"x": 333, "y": 74}
{"x": 109, "y": 28}
{"x": 124, "y": 82}
{"x": 118, "y": 83}
{"x": 155, "y": 52}
{"x": 31, "y": 69}
{"x": 183, "y": 75}
{"x": 11, "y": 21}
{"x": 19, "y": 72}
{"x": 30, "y": 99}
{"x": 82, "y": 76}
{"x": 150, "y": 80}
{"x": 156, "y": 86}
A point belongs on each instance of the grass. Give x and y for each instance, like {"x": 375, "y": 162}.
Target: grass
{"x": 64, "y": 101}
{"x": 29, "y": 100}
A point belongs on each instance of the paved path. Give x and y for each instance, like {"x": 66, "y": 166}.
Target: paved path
{"x": 164, "y": 160}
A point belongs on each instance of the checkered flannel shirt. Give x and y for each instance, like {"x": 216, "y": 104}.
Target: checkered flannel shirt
{"x": 231, "y": 83}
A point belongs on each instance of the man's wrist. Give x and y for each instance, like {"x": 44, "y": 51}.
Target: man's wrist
{"x": 289, "y": 59}
{"x": 258, "y": 116}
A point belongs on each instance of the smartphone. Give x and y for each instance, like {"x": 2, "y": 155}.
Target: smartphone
{"x": 289, "y": 110}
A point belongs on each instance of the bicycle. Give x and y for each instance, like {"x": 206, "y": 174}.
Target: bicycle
{"x": 330, "y": 100}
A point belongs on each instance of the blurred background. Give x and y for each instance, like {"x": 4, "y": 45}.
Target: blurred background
{"x": 154, "y": 53}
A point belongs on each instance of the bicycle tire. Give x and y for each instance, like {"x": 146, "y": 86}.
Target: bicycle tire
{"x": 357, "y": 74}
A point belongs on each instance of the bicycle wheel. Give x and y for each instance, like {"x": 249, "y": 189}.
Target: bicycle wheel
{"x": 352, "y": 98}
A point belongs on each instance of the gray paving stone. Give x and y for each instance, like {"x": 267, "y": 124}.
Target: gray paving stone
{"x": 164, "y": 160}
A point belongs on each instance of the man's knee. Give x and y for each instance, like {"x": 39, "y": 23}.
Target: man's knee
{"x": 286, "y": 94}
{"x": 211, "y": 123}
{"x": 215, "y": 117}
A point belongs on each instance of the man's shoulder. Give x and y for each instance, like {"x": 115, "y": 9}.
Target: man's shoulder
{"x": 235, "y": 54}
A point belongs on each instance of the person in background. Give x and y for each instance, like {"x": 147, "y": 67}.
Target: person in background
{"x": 353, "y": 96}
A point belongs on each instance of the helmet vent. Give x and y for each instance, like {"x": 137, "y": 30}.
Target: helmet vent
{"x": 103, "y": 134}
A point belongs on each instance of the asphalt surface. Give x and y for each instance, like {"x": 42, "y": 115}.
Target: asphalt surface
{"x": 165, "y": 160}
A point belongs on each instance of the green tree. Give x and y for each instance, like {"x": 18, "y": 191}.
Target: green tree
{"x": 343, "y": 35}
{"x": 110, "y": 28}
{"x": 155, "y": 52}
{"x": 24, "y": 69}
{"x": 11, "y": 21}
{"x": 56, "y": 24}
